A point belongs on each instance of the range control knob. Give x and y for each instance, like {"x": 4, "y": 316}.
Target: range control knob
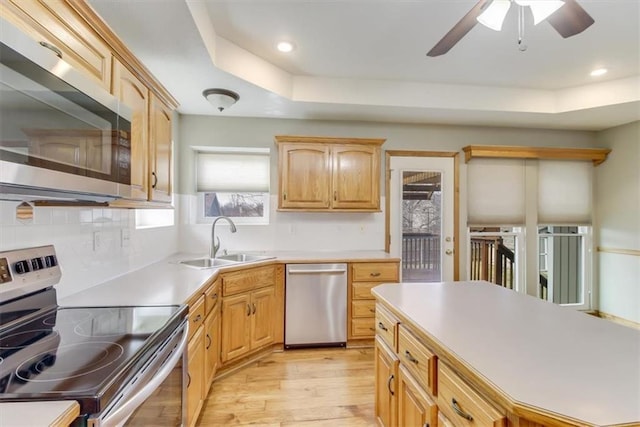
{"x": 22, "y": 267}
{"x": 37, "y": 264}
{"x": 50, "y": 261}
{"x": 23, "y": 376}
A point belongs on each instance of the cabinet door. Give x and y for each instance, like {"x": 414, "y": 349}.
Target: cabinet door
{"x": 263, "y": 316}
{"x": 415, "y": 407}
{"x": 195, "y": 378}
{"x": 130, "y": 90}
{"x": 61, "y": 29}
{"x": 236, "y": 326}
{"x": 160, "y": 146}
{"x": 212, "y": 347}
{"x": 386, "y": 375}
{"x": 356, "y": 177}
{"x": 305, "y": 176}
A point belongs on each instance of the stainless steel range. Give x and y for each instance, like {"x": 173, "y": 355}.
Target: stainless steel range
{"x": 124, "y": 365}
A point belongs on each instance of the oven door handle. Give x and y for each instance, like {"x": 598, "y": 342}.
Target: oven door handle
{"x": 125, "y": 409}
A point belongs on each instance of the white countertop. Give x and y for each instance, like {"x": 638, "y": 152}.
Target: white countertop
{"x": 536, "y": 352}
{"x": 169, "y": 282}
{"x": 38, "y": 414}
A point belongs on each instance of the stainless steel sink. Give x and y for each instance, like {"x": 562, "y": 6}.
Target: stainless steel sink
{"x": 241, "y": 257}
{"x": 207, "y": 262}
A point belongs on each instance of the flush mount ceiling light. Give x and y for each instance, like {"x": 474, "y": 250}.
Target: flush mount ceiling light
{"x": 221, "y": 99}
{"x": 567, "y": 17}
{"x": 285, "y": 47}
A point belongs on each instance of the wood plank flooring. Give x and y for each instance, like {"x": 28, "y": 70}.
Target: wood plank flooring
{"x": 317, "y": 387}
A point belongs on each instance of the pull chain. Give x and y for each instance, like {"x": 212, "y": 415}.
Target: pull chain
{"x": 521, "y": 46}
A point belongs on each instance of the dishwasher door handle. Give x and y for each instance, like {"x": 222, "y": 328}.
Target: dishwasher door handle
{"x": 311, "y": 271}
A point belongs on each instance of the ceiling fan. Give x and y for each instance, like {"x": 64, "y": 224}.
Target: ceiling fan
{"x": 567, "y": 17}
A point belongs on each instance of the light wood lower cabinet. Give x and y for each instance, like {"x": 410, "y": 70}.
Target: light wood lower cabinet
{"x": 248, "y": 311}
{"x": 363, "y": 276}
{"x": 415, "y": 407}
{"x": 195, "y": 379}
{"x": 386, "y": 372}
{"x": 212, "y": 337}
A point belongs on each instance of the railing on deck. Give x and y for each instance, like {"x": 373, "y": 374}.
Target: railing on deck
{"x": 420, "y": 256}
{"x": 492, "y": 261}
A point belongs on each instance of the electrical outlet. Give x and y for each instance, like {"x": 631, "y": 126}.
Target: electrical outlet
{"x": 124, "y": 238}
{"x": 97, "y": 241}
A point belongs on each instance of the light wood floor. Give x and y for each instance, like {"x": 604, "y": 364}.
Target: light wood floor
{"x": 319, "y": 387}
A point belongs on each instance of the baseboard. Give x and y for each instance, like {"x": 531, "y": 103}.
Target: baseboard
{"x": 620, "y": 320}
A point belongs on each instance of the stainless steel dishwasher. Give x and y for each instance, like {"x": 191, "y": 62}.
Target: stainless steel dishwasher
{"x": 316, "y": 305}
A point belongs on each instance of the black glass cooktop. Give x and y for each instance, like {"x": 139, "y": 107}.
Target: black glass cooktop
{"x": 80, "y": 353}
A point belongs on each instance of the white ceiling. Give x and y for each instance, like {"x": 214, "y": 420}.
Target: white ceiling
{"x": 365, "y": 60}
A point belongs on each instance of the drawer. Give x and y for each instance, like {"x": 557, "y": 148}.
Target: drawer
{"x": 196, "y": 315}
{"x": 386, "y": 326}
{"x": 247, "y": 280}
{"x": 212, "y": 296}
{"x": 363, "y": 327}
{"x": 444, "y": 421}
{"x": 462, "y": 405}
{"x": 362, "y": 290}
{"x": 418, "y": 359}
{"x": 363, "y": 308}
{"x": 374, "y": 271}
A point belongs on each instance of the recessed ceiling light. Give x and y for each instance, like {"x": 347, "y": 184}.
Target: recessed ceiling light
{"x": 285, "y": 47}
{"x": 598, "y": 72}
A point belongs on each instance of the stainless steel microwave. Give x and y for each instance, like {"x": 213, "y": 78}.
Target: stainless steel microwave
{"x": 62, "y": 136}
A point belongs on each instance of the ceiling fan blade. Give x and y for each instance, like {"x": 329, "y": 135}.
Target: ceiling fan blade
{"x": 570, "y": 19}
{"x": 459, "y": 30}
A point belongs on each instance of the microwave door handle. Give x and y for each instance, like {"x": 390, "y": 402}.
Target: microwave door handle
{"x": 124, "y": 411}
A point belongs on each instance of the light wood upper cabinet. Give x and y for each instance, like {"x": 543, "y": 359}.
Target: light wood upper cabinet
{"x": 305, "y": 176}
{"x": 135, "y": 95}
{"x": 160, "y": 151}
{"x": 58, "y": 27}
{"x": 329, "y": 174}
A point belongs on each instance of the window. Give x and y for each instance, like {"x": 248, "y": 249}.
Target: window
{"x": 563, "y": 276}
{"x": 233, "y": 182}
{"x": 557, "y": 196}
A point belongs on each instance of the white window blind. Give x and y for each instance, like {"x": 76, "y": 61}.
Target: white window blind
{"x": 232, "y": 172}
{"x": 564, "y": 191}
{"x": 495, "y": 192}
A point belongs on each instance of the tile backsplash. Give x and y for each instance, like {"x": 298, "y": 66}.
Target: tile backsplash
{"x": 93, "y": 244}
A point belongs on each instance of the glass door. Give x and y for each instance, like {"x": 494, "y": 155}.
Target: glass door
{"x": 421, "y": 217}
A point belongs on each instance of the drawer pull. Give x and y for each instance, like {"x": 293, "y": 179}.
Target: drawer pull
{"x": 381, "y": 326}
{"x": 214, "y": 296}
{"x": 459, "y": 411}
{"x": 372, "y": 310}
{"x": 372, "y": 329}
{"x": 52, "y": 48}
{"x": 375, "y": 274}
{"x": 391, "y": 377}
{"x": 197, "y": 318}
{"x": 410, "y": 357}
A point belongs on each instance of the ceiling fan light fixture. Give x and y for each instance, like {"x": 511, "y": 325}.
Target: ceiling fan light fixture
{"x": 221, "y": 99}
{"x": 541, "y": 9}
{"x": 493, "y": 16}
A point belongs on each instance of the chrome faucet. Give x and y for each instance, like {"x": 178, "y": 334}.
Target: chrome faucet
{"x": 215, "y": 241}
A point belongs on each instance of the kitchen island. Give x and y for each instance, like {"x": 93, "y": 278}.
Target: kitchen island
{"x": 497, "y": 357}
